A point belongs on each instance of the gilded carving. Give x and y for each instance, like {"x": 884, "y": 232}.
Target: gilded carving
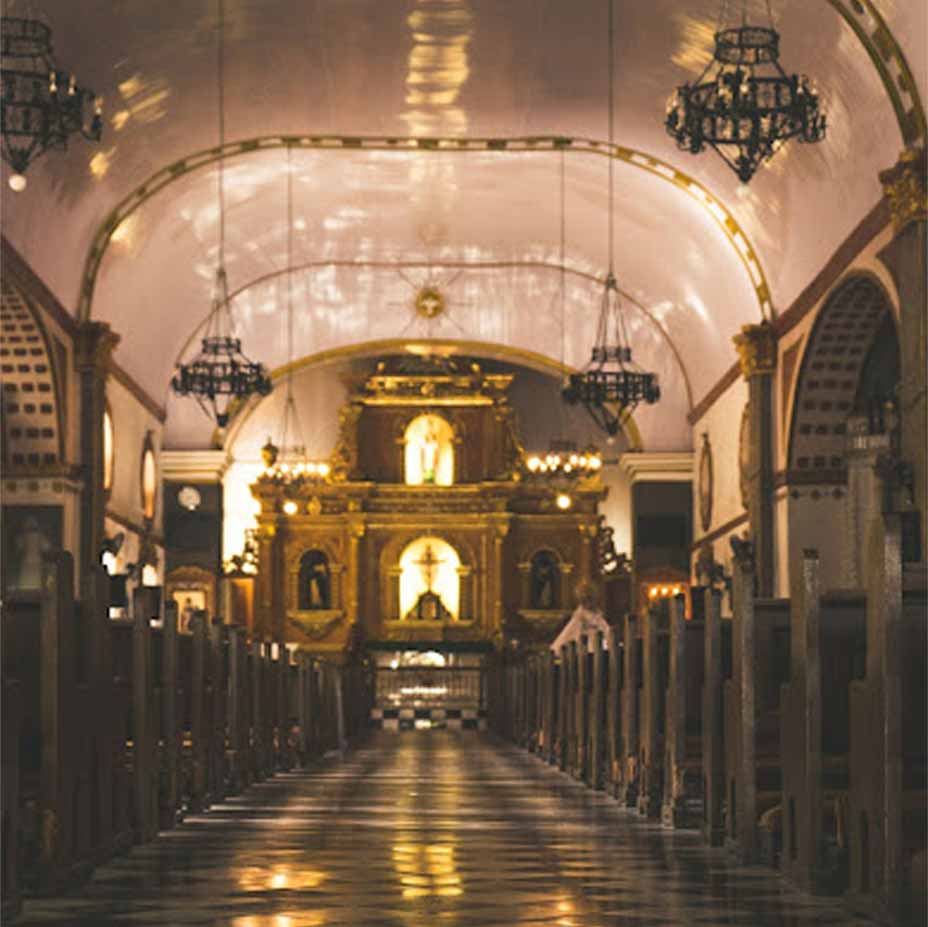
{"x": 757, "y": 349}
{"x": 904, "y": 187}
{"x": 314, "y": 631}
{"x": 345, "y": 456}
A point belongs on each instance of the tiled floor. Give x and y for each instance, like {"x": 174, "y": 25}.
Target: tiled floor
{"x": 430, "y": 828}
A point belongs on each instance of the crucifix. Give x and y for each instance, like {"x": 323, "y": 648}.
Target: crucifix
{"x": 429, "y": 563}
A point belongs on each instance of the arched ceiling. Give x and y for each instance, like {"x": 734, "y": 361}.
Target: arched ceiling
{"x": 450, "y": 68}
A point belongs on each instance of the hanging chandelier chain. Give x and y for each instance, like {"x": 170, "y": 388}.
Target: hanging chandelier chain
{"x": 289, "y": 272}
{"x": 611, "y": 132}
{"x": 563, "y": 261}
{"x": 220, "y": 78}
{"x": 221, "y": 375}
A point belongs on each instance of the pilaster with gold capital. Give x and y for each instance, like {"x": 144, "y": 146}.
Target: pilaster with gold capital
{"x": 906, "y": 258}
{"x": 757, "y": 352}
{"x": 94, "y": 343}
{"x": 905, "y": 189}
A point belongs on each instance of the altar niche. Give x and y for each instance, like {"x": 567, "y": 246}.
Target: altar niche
{"x": 545, "y": 581}
{"x": 428, "y": 457}
{"x": 430, "y": 581}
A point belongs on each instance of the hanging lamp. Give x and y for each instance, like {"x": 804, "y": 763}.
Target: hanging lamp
{"x": 611, "y": 385}
{"x": 40, "y": 105}
{"x": 744, "y": 105}
{"x": 221, "y": 374}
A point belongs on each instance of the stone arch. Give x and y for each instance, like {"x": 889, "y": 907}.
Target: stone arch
{"x": 832, "y": 365}
{"x": 32, "y": 405}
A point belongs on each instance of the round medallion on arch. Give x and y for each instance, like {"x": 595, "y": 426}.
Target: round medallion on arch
{"x": 429, "y": 302}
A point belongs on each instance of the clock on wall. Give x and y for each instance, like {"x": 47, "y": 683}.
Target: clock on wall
{"x": 188, "y": 497}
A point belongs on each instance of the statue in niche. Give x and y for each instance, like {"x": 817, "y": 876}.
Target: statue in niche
{"x": 544, "y": 581}
{"x": 314, "y": 582}
{"x": 428, "y": 453}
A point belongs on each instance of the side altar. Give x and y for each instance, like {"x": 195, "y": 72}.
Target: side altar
{"x": 423, "y": 530}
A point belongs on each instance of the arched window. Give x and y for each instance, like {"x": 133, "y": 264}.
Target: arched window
{"x": 430, "y": 580}
{"x": 429, "y": 454}
{"x": 109, "y": 450}
{"x": 544, "y": 591}
{"x": 149, "y": 479}
{"x": 315, "y": 586}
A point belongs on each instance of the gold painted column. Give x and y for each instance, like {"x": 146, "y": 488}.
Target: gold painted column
{"x": 94, "y": 345}
{"x": 500, "y": 527}
{"x": 905, "y": 257}
{"x": 270, "y": 603}
{"x": 356, "y": 532}
{"x": 757, "y": 348}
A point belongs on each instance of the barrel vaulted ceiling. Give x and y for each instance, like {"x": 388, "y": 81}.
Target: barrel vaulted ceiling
{"x": 132, "y": 237}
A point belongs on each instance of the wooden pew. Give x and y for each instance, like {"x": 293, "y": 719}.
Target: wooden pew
{"x": 614, "y": 733}
{"x": 713, "y": 718}
{"x": 626, "y": 774}
{"x": 760, "y": 645}
{"x": 887, "y": 761}
{"x": 655, "y": 624}
{"x": 11, "y": 719}
{"x": 827, "y": 644}
{"x": 683, "y": 768}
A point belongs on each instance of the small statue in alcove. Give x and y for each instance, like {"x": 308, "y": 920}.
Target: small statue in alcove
{"x": 314, "y": 583}
{"x": 544, "y": 581}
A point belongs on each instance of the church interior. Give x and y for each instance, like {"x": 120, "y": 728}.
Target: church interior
{"x": 464, "y": 462}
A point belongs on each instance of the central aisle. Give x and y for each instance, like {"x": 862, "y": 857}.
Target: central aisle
{"x": 429, "y": 828}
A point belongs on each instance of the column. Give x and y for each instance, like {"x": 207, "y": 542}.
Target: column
{"x": 757, "y": 349}
{"x": 94, "y": 344}
{"x": 905, "y": 258}
{"x": 500, "y": 531}
{"x": 269, "y": 589}
{"x": 356, "y": 531}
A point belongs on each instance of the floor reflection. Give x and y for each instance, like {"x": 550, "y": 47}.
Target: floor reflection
{"x": 430, "y": 829}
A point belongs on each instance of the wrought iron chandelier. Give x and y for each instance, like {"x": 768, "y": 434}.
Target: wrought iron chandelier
{"x": 611, "y": 385}
{"x": 744, "y": 105}
{"x": 220, "y": 374}
{"x": 564, "y": 463}
{"x": 40, "y": 105}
